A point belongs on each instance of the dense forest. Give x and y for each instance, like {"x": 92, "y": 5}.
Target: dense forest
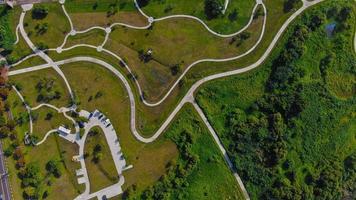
{"x": 297, "y": 141}
{"x": 7, "y": 37}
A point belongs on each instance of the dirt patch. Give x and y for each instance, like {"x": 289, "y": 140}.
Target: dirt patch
{"x": 85, "y": 20}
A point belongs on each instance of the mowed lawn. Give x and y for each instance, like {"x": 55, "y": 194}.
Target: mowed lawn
{"x": 237, "y": 14}
{"x": 102, "y": 173}
{"x": 27, "y": 84}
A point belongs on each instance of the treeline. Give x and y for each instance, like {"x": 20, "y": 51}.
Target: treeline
{"x": 261, "y": 135}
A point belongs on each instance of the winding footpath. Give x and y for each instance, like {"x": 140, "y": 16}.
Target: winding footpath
{"x": 188, "y": 98}
{"x": 151, "y": 20}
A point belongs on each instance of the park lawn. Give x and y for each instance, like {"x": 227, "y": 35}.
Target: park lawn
{"x": 103, "y": 173}
{"x": 54, "y": 148}
{"x": 27, "y": 84}
{"x": 222, "y": 24}
{"x": 58, "y": 26}
{"x": 156, "y": 76}
{"x": 115, "y": 105}
{"x": 84, "y": 14}
{"x": 211, "y": 179}
{"x": 94, "y": 37}
{"x": 42, "y": 124}
{"x": 323, "y": 132}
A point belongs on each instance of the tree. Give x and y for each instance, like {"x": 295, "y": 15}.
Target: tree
{"x": 213, "y": 8}
{"x": 143, "y": 3}
{"x": 49, "y": 116}
{"x": 290, "y": 5}
{"x": 39, "y": 12}
{"x": 52, "y": 167}
{"x": 4, "y": 132}
{"x": 30, "y": 193}
{"x": 233, "y": 16}
{"x": 31, "y": 175}
{"x": 18, "y": 153}
{"x": 175, "y": 69}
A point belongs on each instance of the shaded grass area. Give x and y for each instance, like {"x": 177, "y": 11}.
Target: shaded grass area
{"x": 55, "y": 148}
{"x": 319, "y": 139}
{"x": 27, "y": 84}
{"x": 237, "y": 14}
{"x": 102, "y": 172}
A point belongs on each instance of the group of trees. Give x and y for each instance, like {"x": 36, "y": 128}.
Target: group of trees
{"x": 53, "y": 167}
{"x": 41, "y": 28}
{"x": 261, "y": 134}
{"x": 46, "y": 92}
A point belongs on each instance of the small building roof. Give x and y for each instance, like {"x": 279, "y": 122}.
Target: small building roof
{"x": 62, "y": 129}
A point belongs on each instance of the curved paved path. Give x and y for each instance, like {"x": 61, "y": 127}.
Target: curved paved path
{"x": 108, "y": 31}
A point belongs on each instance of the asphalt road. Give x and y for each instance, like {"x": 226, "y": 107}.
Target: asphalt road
{"x": 5, "y": 188}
